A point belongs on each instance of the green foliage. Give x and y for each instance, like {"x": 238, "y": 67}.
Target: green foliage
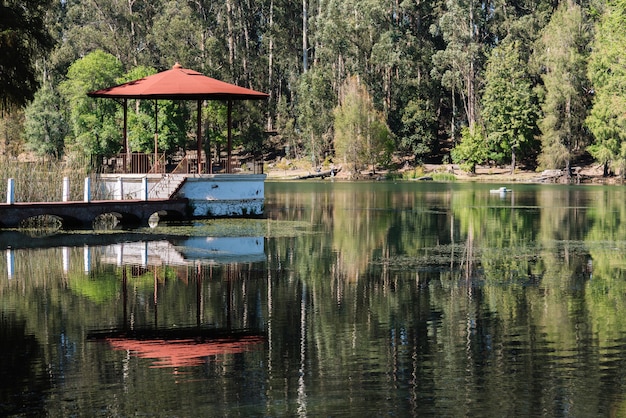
{"x": 175, "y": 26}
{"x": 443, "y": 177}
{"x": 458, "y": 65}
{"x": 606, "y": 119}
{"x": 473, "y": 149}
{"x": 216, "y": 116}
{"x": 419, "y": 123}
{"x": 361, "y": 137}
{"x": 315, "y": 104}
{"x": 510, "y": 109}
{"x": 424, "y": 65}
{"x": 23, "y": 38}
{"x": 45, "y": 126}
{"x": 95, "y": 128}
{"x": 562, "y": 52}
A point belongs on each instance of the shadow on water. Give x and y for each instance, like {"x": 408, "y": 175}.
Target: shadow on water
{"x": 23, "y": 380}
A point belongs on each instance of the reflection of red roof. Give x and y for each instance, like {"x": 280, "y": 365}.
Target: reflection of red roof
{"x": 186, "y": 352}
{"x": 179, "y": 83}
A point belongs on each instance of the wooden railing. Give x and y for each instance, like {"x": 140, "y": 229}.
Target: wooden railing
{"x": 139, "y": 163}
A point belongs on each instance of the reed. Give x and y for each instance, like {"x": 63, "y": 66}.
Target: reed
{"x": 42, "y": 181}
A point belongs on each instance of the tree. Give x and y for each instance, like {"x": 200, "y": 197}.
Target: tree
{"x": 458, "y": 66}
{"x": 472, "y": 150}
{"x": 510, "y": 109}
{"x": 23, "y": 38}
{"x": 562, "y": 47}
{"x": 46, "y": 123}
{"x": 315, "y": 106}
{"x": 361, "y": 136}
{"x": 419, "y": 123}
{"x": 120, "y": 28}
{"x": 170, "y": 123}
{"x": 177, "y": 37}
{"x": 95, "y": 128}
{"x": 607, "y": 73}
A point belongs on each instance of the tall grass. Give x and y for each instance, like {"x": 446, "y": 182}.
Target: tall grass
{"x": 42, "y": 181}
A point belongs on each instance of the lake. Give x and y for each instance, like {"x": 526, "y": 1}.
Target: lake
{"x": 346, "y": 299}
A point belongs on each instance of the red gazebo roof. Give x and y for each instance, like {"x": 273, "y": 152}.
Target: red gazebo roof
{"x": 179, "y": 83}
{"x": 189, "y": 352}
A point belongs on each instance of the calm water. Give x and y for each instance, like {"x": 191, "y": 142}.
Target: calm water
{"x": 366, "y": 299}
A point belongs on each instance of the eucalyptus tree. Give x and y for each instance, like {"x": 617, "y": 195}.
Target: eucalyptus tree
{"x": 24, "y": 38}
{"x": 510, "y": 107}
{"x": 177, "y": 35}
{"x": 463, "y": 25}
{"x": 284, "y": 65}
{"x": 399, "y": 75}
{"x": 607, "y": 73}
{"x": 316, "y": 101}
{"x": 119, "y": 27}
{"x": 562, "y": 53}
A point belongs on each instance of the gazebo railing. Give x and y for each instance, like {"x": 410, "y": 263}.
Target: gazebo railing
{"x": 140, "y": 163}
{"x": 135, "y": 163}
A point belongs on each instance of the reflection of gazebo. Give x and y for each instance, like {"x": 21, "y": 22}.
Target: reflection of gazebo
{"x": 179, "y": 83}
{"x": 186, "y": 352}
{"x": 178, "y": 346}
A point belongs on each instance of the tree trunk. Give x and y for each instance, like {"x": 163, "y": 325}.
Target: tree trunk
{"x": 513, "y": 160}
{"x": 231, "y": 35}
{"x": 305, "y": 47}
{"x": 270, "y": 64}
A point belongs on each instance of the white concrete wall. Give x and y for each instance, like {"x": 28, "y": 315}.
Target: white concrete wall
{"x": 210, "y": 195}
{"x": 211, "y": 250}
{"x": 108, "y": 185}
{"x": 225, "y": 194}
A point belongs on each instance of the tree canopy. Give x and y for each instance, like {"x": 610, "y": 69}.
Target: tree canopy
{"x": 24, "y": 38}
{"x": 522, "y": 72}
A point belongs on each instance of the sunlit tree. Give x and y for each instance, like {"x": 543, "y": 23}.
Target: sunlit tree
{"x": 607, "y": 72}
{"x": 510, "y": 109}
{"x": 95, "y": 128}
{"x": 562, "y": 55}
{"x": 361, "y": 136}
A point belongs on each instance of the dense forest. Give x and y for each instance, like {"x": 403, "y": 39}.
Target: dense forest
{"x": 536, "y": 82}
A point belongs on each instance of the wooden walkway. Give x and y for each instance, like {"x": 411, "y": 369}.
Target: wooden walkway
{"x": 82, "y": 214}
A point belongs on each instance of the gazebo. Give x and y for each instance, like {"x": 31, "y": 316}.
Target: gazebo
{"x": 179, "y": 83}
{"x": 208, "y": 194}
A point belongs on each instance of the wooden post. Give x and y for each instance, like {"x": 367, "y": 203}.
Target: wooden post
{"x": 230, "y": 141}
{"x": 156, "y": 138}
{"x": 126, "y": 143}
{"x": 199, "y": 137}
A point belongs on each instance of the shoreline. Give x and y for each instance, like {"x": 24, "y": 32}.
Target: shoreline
{"x": 584, "y": 175}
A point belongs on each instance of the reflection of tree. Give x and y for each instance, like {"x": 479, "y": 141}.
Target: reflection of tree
{"x": 23, "y": 378}
{"x": 530, "y": 329}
